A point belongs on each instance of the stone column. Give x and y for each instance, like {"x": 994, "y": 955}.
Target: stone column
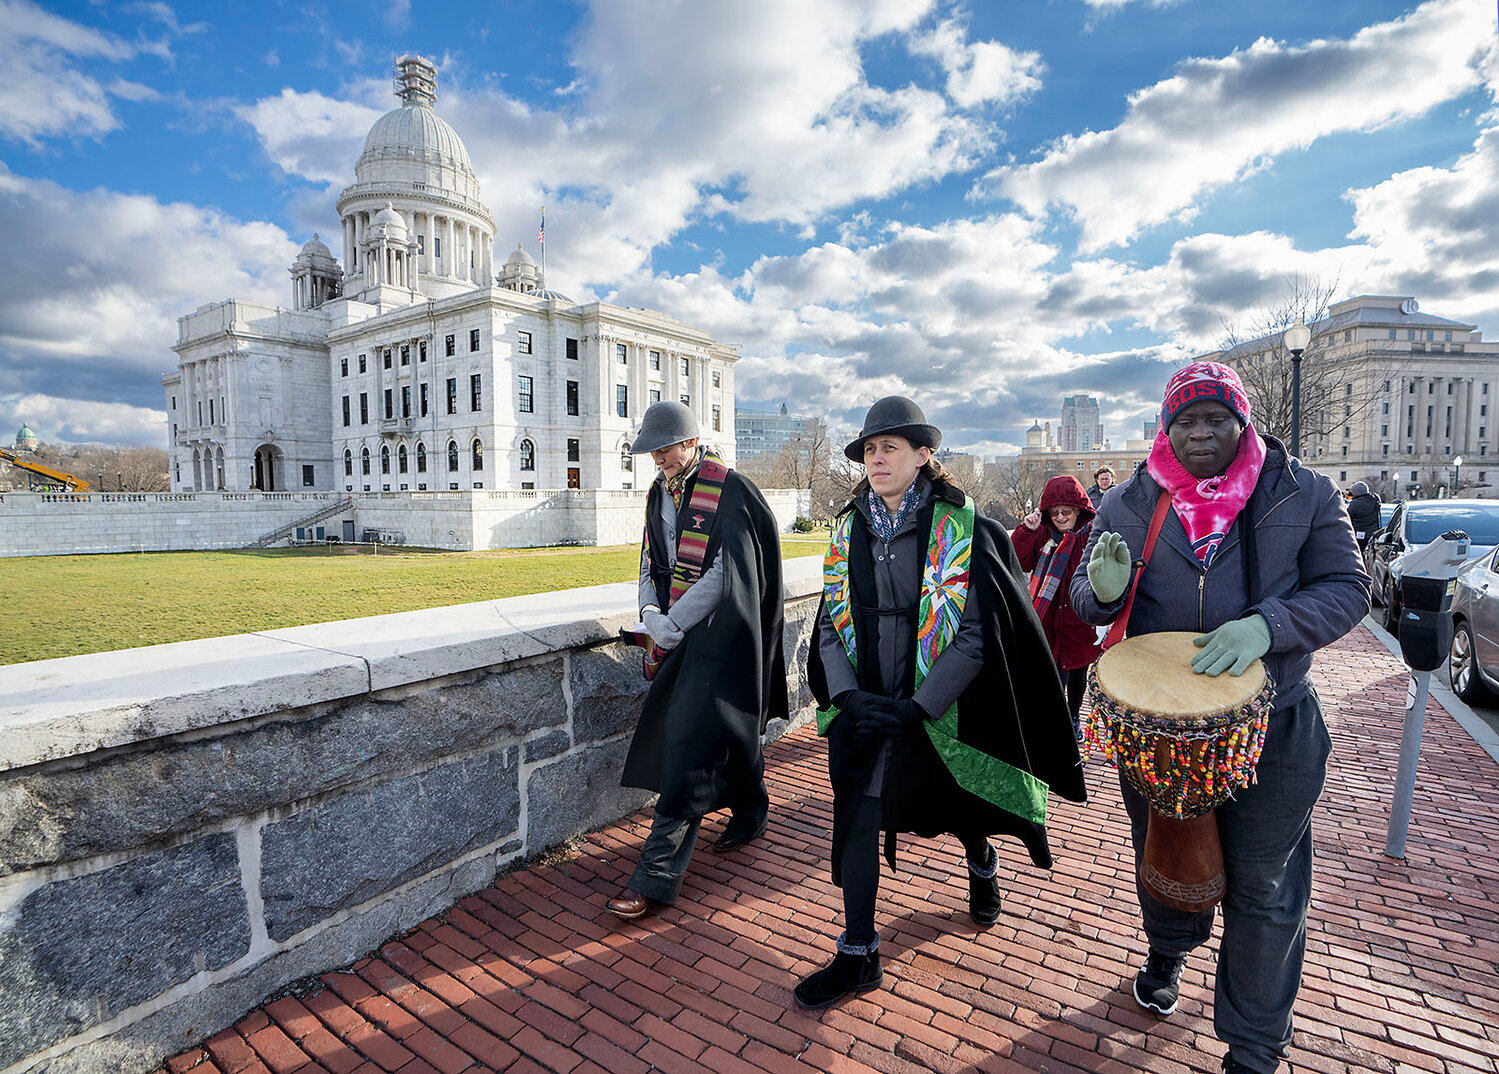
{"x": 448, "y": 243}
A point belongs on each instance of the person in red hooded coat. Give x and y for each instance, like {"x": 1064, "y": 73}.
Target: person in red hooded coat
{"x": 1050, "y": 543}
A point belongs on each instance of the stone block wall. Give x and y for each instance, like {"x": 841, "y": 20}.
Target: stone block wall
{"x": 48, "y": 524}
{"x": 186, "y": 829}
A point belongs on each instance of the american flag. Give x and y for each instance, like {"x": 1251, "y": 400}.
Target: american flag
{"x": 541, "y": 232}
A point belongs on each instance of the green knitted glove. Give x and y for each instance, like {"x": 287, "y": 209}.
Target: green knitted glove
{"x": 1108, "y": 568}
{"x": 1233, "y": 646}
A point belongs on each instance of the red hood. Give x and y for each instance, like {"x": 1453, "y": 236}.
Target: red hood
{"x": 1067, "y": 491}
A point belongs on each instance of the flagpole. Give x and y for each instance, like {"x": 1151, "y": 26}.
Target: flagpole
{"x": 541, "y": 235}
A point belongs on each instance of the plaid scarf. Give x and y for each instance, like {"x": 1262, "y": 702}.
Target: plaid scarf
{"x": 879, "y": 517}
{"x": 1051, "y": 566}
{"x": 675, "y": 485}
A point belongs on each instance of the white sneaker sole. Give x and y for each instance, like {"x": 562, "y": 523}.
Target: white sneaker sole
{"x": 1164, "y": 1012}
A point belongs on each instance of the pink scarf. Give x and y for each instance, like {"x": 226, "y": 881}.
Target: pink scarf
{"x": 1207, "y": 507}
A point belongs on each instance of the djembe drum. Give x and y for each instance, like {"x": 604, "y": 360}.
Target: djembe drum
{"x": 1186, "y": 742}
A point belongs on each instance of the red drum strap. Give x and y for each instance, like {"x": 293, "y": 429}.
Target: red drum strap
{"x": 1121, "y": 621}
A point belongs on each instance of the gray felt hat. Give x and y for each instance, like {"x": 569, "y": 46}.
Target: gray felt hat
{"x": 899, "y": 416}
{"x": 665, "y": 423}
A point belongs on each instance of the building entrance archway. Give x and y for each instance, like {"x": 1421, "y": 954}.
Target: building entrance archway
{"x": 265, "y": 470}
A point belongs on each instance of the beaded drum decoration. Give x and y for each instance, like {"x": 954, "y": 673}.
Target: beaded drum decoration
{"x": 1185, "y": 741}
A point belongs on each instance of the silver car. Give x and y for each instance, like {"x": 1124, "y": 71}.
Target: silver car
{"x": 1473, "y": 664}
{"x": 1417, "y": 523}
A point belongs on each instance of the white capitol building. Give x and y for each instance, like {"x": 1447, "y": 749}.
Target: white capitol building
{"x": 417, "y": 367}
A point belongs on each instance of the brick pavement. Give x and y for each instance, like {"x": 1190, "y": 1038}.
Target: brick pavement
{"x": 533, "y": 975}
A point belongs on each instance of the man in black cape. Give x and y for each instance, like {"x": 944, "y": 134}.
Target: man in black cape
{"x": 711, "y": 604}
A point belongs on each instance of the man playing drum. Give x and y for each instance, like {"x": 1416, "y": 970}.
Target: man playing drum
{"x": 1256, "y": 557}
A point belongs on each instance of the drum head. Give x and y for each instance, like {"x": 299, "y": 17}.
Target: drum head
{"x": 1152, "y": 673}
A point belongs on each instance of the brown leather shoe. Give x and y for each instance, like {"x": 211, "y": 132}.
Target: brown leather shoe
{"x": 726, "y": 842}
{"x": 628, "y": 905}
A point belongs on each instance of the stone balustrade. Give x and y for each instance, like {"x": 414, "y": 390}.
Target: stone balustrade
{"x": 186, "y": 829}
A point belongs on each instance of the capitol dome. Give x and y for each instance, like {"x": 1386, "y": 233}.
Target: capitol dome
{"x": 387, "y": 223}
{"x": 315, "y": 252}
{"x": 416, "y": 136}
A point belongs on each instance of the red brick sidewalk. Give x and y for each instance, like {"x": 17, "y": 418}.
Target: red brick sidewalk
{"x": 533, "y": 975}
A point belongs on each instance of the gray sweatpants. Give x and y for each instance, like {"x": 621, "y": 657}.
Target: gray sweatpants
{"x": 1267, "y": 855}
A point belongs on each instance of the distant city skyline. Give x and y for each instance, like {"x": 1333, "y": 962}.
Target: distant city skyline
{"x": 986, "y": 207}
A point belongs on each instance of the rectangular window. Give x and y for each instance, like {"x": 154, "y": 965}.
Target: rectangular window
{"x": 525, "y": 394}
{"x": 572, "y": 451}
{"x": 1384, "y": 430}
{"x": 655, "y": 360}
{"x": 621, "y": 401}
{"x": 686, "y": 367}
{"x": 473, "y": 339}
{"x": 210, "y": 412}
{"x": 1348, "y": 336}
{"x": 1385, "y": 450}
{"x": 405, "y": 400}
{"x": 475, "y": 392}
{"x": 405, "y": 354}
{"x": 686, "y": 399}
{"x": 1345, "y": 451}
{"x": 1430, "y": 335}
{"x": 364, "y": 408}
{"x": 655, "y": 394}
{"x": 452, "y": 395}
{"x": 436, "y": 245}
{"x": 386, "y": 357}
{"x": 307, "y": 481}
{"x": 622, "y": 353}
{"x": 1449, "y": 387}
{"x": 421, "y": 351}
{"x": 422, "y": 401}
{"x": 1347, "y": 432}
{"x": 390, "y": 410}
{"x": 1410, "y": 333}
{"x": 572, "y": 349}
{"x": 524, "y": 346}
{"x": 1483, "y": 410}
{"x": 343, "y": 367}
{"x": 574, "y": 478}
{"x": 1392, "y": 333}
{"x": 717, "y": 379}
{"x": 572, "y": 397}
{"x": 346, "y": 411}
{"x": 718, "y": 419}
{"x": 448, "y": 346}
{"x": 174, "y": 398}
{"x": 361, "y": 363}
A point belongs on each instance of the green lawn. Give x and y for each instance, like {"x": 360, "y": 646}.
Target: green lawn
{"x": 64, "y": 605}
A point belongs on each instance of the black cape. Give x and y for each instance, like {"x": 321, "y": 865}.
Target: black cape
{"x": 1015, "y": 709}
{"x": 699, "y": 734}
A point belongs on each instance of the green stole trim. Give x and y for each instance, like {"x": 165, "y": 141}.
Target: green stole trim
{"x": 944, "y": 594}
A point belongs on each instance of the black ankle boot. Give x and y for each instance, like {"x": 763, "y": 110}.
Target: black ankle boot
{"x": 848, "y": 974}
{"x": 983, "y": 892}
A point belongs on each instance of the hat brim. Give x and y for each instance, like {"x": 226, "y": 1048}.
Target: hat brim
{"x": 919, "y": 435}
{"x": 636, "y": 449}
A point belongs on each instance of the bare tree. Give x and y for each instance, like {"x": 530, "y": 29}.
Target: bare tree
{"x": 104, "y": 467}
{"x": 1335, "y": 387}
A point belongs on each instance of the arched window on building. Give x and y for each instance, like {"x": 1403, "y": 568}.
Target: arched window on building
{"x": 197, "y": 471}
{"x": 421, "y": 457}
{"x": 452, "y": 456}
{"x": 527, "y": 455}
{"x": 401, "y": 459}
{"x": 385, "y": 458}
{"x": 348, "y": 463}
{"x": 364, "y": 461}
{"x": 626, "y": 460}
{"x": 478, "y": 455}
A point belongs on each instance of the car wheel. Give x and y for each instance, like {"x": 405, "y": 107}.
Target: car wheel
{"x": 1462, "y": 666}
{"x": 1391, "y": 618}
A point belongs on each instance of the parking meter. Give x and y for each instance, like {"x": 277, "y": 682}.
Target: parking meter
{"x": 1427, "y": 581}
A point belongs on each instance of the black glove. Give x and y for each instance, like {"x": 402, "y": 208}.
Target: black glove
{"x": 887, "y": 718}
{"x": 855, "y": 703}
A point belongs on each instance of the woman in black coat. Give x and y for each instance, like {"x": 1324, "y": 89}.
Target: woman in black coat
{"x": 936, "y": 689}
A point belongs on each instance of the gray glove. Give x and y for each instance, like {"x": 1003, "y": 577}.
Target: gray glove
{"x": 1108, "y": 568}
{"x": 661, "y": 629}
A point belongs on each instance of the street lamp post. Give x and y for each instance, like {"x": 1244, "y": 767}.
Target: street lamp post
{"x": 1296, "y": 339}
{"x": 1457, "y": 475}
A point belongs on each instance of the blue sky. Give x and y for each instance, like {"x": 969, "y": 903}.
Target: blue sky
{"x": 987, "y": 205}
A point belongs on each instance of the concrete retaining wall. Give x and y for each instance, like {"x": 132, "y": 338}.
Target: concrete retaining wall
{"x": 49, "y": 524}
{"x": 187, "y": 828}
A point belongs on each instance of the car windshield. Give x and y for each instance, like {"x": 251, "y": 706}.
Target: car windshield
{"x": 1429, "y": 521}
{"x": 1386, "y": 510}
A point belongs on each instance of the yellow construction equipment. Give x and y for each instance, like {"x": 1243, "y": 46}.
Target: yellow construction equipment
{"x": 67, "y": 481}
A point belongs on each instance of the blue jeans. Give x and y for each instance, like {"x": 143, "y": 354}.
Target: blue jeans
{"x": 1267, "y": 857}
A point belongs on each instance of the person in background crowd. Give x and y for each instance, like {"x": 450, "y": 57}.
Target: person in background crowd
{"x": 1103, "y": 480}
{"x": 924, "y": 664}
{"x": 1049, "y": 543}
{"x": 1363, "y": 512}
{"x": 1257, "y": 557}
{"x": 710, "y": 602}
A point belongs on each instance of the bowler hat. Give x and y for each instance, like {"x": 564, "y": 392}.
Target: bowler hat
{"x": 665, "y": 423}
{"x": 897, "y": 416}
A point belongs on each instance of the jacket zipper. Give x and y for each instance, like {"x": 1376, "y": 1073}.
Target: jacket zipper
{"x": 1202, "y": 580}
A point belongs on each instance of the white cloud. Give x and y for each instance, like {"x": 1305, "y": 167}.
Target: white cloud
{"x": 1217, "y": 120}
{"x": 92, "y": 314}
{"x": 76, "y": 421}
{"x": 981, "y": 71}
{"x": 43, "y": 93}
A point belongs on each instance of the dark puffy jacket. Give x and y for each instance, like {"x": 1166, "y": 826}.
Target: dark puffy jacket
{"x": 1313, "y": 588}
{"x": 1363, "y": 513}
